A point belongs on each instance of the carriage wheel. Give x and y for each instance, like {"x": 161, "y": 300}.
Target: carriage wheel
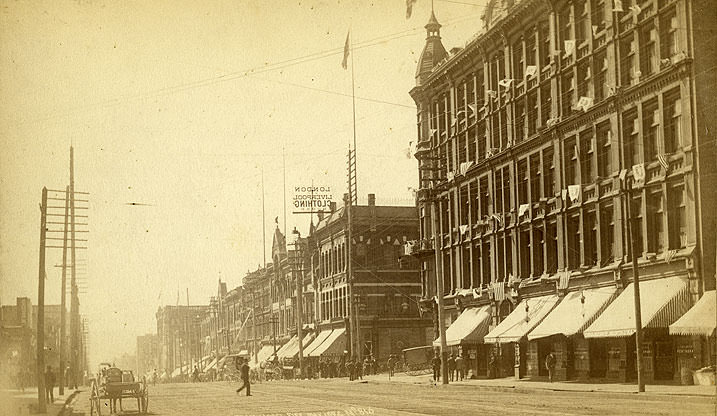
{"x": 95, "y": 400}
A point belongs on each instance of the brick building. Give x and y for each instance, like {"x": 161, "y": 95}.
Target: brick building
{"x": 147, "y": 354}
{"x": 178, "y": 334}
{"x": 528, "y": 137}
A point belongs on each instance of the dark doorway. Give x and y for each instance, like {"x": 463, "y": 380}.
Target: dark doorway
{"x": 598, "y": 358}
{"x": 630, "y": 359}
{"x": 664, "y": 360}
{"x": 545, "y": 346}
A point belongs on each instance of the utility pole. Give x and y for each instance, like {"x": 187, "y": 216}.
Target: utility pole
{"x": 41, "y": 405}
{"x": 74, "y": 300}
{"x": 188, "y": 320}
{"x": 63, "y": 296}
{"x": 439, "y": 288}
{"x": 636, "y": 291}
{"x": 299, "y": 270}
{"x": 354, "y": 321}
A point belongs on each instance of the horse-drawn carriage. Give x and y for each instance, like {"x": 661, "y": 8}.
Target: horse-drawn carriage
{"x": 113, "y": 385}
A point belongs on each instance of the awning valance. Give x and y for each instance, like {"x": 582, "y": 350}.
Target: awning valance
{"x": 471, "y": 326}
{"x": 662, "y": 301}
{"x": 333, "y": 345}
{"x": 699, "y": 320}
{"x": 526, "y": 316}
{"x": 574, "y": 313}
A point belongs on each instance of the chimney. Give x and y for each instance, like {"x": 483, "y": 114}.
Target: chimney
{"x": 320, "y": 214}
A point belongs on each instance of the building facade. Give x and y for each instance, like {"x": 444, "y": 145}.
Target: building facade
{"x": 532, "y": 138}
{"x": 147, "y": 354}
{"x": 178, "y": 329}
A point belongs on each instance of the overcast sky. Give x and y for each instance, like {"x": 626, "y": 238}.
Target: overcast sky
{"x": 180, "y": 105}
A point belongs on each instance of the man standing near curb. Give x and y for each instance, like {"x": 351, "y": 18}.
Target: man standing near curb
{"x": 244, "y": 369}
{"x": 460, "y": 367}
{"x": 550, "y": 365}
{"x": 436, "y": 364}
{"x": 49, "y": 385}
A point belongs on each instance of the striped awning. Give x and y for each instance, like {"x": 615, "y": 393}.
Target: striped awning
{"x": 471, "y": 326}
{"x": 526, "y": 316}
{"x": 281, "y": 353}
{"x": 316, "y": 342}
{"x": 334, "y": 344}
{"x": 699, "y": 320}
{"x": 575, "y": 312}
{"x": 291, "y": 352}
{"x": 662, "y": 302}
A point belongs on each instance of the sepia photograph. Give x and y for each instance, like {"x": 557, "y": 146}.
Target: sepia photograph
{"x": 358, "y": 207}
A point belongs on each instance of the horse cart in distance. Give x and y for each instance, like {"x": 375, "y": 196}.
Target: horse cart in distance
{"x": 113, "y": 385}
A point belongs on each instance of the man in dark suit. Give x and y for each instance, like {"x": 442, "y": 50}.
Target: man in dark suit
{"x": 244, "y": 370}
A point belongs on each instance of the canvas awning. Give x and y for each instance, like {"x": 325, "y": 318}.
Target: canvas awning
{"x": 315, "y": 343}
{"x": 699, "y": 320}
{"x": 289, "y": 353}
{"x": 281, "y": 352}
{"x": 574, "y": 313}
{"x": 264, "y": 352}
{"x": 526, "y": 316}
{"x": 471, "y": 326}
{"x": 334, "y": 344}
{"x": 662, "y": 301}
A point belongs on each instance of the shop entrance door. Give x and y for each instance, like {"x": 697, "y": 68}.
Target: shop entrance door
{"x": 598, "y": 358}
{"x": 664, "y": 360}
{"x": 630, "y": 359}
{"x": 544, "y": 347}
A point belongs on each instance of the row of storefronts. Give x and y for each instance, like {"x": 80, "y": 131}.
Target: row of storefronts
{"x": 547, "y": 153}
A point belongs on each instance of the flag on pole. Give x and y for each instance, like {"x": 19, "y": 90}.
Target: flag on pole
{"x": 344, "y": 63}
{"x": 409, "y": 8}
{"x": 663, "y": 161}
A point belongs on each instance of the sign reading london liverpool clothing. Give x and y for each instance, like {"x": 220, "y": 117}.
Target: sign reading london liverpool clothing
{"x": 312, "y": 198}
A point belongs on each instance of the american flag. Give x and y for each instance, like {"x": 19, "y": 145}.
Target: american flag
{"x": 663, "y": 161}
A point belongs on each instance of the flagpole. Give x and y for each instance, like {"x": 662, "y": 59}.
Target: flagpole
{"x": 353, "y": 101}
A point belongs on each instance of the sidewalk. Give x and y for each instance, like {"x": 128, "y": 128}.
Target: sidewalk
{"x": 527, "y": 384}
{"x": 16, "y": 402}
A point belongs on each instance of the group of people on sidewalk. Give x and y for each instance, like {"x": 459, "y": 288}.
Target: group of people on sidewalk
{"x": 456, "y": 367}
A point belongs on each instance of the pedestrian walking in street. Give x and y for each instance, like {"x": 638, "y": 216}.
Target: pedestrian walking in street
{"x": 451, "y": 367}
{"x": 460, "y": 367}
{"x": 367, "y": 366}
{"x": 359, "y": 369}
{"x": 350, "y": 369}
{"x": 550, "y": 365}
{"x": 436, "y": 364}
{"x": 154, "y": 377}
{"x": 244, "y": 370}
{"x": 391, "y": 363}
{"x": 195, "y": 375}
{"x": 49, "y": 385}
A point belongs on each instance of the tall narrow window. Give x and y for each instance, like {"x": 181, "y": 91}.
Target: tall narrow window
{"x": 485, "y": 263}
{"x": 544, "y": 43}
{"x": 600, "y": 64}
{"x": 628, "y": 51}
{"x": 607, "y": 234}
{"x": 672, "y": 117}
{"x": 567, "y": 93}
{"x": 506, "y": 189}
{"x": 551, "y": 247}
{"x": 603, "y": 141}
{"x": 524, "y": 254}
{"x": 574, "y": 242}
{"x": 586, "y": 157}
{"x": 474, "y": 205}
{"x": 545, "y": 103}
{"x": 538, "y": 246}
{"x": 584, "y": 80}
{"x": 549, "y": 169}
{"x": 477, "y": 266}
{"x": 597, "y": 19}
{"x": 651, "y": 129}
{"x": 636, "y": 229}
{"x": 572, "y": 176}
{"x": 535, "y": 177}
{"x": 523, "y": 181}
{"x": 655, "y": 230}
{"x": 676, "y": 219}
{"x": 532, "y": 112}
{"x": 648, "y": 50}
{"x": 498, "y": 186}
{"x": 669, "y": 41}
{"x": 518, "y": 60}
{"x": 582, "y": 33}
{"x": 530, "y": 51}
{"x": 484, "y": 196}
{"x": 589, "y": 238}
{"x": 519, "y": 120}
{"x": 501, "y": 258}
{"x": 630, "y": 134}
